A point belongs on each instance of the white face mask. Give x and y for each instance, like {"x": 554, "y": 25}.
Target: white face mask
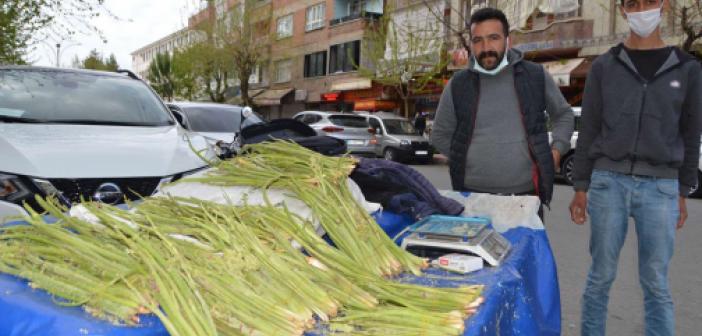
{"x": 477, "y": 67}
{"x": 644, "y": 23}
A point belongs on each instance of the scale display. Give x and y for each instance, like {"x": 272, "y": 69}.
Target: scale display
{"x": 435, "y": 236}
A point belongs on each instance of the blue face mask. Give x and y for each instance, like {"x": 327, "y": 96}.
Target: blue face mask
{"x": 494, "y": 71}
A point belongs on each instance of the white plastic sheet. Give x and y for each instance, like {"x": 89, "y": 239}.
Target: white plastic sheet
{"x": 505, "y": 212}
{"x": 238, "y": 195}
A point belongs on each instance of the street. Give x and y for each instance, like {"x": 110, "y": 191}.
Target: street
{"x": 570, "y": 247}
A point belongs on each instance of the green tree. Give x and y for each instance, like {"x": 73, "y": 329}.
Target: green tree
{"x": 402, "y": 52}
{"x": 161, "y": 76}
{"x": 185, "y": 82}
{"x": 23, "y": 23}
{"x": 95, "y": 61}
{"x": 19, "y": 20}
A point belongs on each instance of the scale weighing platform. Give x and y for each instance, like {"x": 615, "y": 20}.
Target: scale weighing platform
{"x": 436, "y": 236}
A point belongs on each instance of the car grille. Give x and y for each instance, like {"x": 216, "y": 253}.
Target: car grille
{"x": 420, "y": 145}
{"x": 133, "y": 188}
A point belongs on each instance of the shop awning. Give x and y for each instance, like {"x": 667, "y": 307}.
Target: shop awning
{"x": 374, "y": 105}
{"x": 271, "y": 97}
{"x": 236, "y": 100}
{"x": 561, "y": 70}
{"x": 356, "y": 84}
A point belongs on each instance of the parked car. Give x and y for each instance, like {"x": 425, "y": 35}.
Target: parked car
{"x": 697, "y": 192}
{"x": 94, "y": 135}
{"x": 216, "y": 122}
{"x": 567, "y": 159}
{"x": 397, "y": 138}
{"x": 351, "y": 128}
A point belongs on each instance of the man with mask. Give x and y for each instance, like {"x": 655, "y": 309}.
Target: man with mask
{"x": 491, "y": 122}
{"x": 637, "y": 156}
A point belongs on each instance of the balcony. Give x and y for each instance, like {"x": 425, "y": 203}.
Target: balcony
{"x": 555, "y": 35}
{"x": 350, "y": 10}
{"x": 348, "y": 18}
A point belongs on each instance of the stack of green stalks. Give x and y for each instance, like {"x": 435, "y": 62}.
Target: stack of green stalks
{"x": 213, "y": 269}
{"x": 320, "y": 182}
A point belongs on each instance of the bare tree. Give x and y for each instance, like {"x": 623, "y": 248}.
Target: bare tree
{"x": 248, "y": 40}
{"x": 402, "y": 52}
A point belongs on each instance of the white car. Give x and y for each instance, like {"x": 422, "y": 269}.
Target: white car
{"x": 87, "y": 135}
{"x": 697, "y": 193}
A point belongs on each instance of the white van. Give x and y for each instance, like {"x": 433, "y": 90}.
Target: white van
{"x": 90, "y": 135}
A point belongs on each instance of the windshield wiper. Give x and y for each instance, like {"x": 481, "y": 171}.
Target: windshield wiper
{"x": 106, "y": 122}
{"x": 11, "y": 119}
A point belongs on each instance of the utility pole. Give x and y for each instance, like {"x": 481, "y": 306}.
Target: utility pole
{"x": 58, "y": 53}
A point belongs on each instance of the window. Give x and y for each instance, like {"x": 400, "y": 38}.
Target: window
{"x": 356, "y": 6}
{"x": 375, "y": 124}
{"x": 316, "y": 64}
{"x": 282, "y": 71}
{"x": 349, "y": 121}
{"x": 344, "y": 57}
{"x": 310, "y": 118}
{"x": 285, "y": 26}
{"x": 315, "y": 16}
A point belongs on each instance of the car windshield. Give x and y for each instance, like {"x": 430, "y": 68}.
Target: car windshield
{"x": 80, "y": 98}
{"x": 348, "y": 121}
{"x": 399, "y": 127}
{"x": 217, "y": 119}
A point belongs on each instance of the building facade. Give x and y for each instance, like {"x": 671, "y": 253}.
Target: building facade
{"x": 142, "y": 57}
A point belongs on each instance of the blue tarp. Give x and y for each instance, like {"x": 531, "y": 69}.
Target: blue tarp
{"x": 521, "y": 297}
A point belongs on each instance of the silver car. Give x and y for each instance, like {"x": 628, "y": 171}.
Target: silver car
{"x": 345, "y": 126}
{"x": 397, "y": 138}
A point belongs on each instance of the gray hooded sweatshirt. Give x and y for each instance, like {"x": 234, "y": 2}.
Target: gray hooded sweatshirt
{"x": 641, "y": 127}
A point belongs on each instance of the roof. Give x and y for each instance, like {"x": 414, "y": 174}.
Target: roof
{"x": 63, "y": 70}
{"x": 327, "y": 113}
{"x": 382, "y": 115}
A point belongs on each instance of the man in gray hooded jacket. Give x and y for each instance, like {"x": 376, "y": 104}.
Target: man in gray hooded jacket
{"x": 491, "y": 122}
{"x": 637, "y": 156}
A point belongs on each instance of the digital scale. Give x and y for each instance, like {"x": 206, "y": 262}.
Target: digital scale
{"x": 436, "y": 236}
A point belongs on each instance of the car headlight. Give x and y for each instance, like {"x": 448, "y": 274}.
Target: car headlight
{"x": 405, "y": 143}
{"x": 12, "y": 189}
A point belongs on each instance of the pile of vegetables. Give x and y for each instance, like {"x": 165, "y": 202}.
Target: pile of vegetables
{"x": 212, "y": 269}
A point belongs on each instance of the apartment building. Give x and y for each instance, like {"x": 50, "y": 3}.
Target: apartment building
{"x": 565, "y": 42}
{"x": 314, "y": 47}
{"x": 142, "y": 57}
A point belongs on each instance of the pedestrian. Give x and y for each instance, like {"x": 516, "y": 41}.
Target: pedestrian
{"x": 490, "y": 121}
{"x": 636, "y": 156}
{"x": 420, "y": 123}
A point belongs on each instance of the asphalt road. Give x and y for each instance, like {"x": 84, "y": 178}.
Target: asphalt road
{"x": 570, "y": 247}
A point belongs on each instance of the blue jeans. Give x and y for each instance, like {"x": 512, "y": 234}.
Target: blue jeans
{"x": 653, "y": 203}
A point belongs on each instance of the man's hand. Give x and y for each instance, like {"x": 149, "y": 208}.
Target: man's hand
{"x": 578, "y": 208}
{"x": 556, "y": 159}
{"x": 683, "y": 212}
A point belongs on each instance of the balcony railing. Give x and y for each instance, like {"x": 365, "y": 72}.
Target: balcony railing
{"x": 367, "y": 15}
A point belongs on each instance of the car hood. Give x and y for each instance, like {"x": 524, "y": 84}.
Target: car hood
{"x": 89, "y": 151}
